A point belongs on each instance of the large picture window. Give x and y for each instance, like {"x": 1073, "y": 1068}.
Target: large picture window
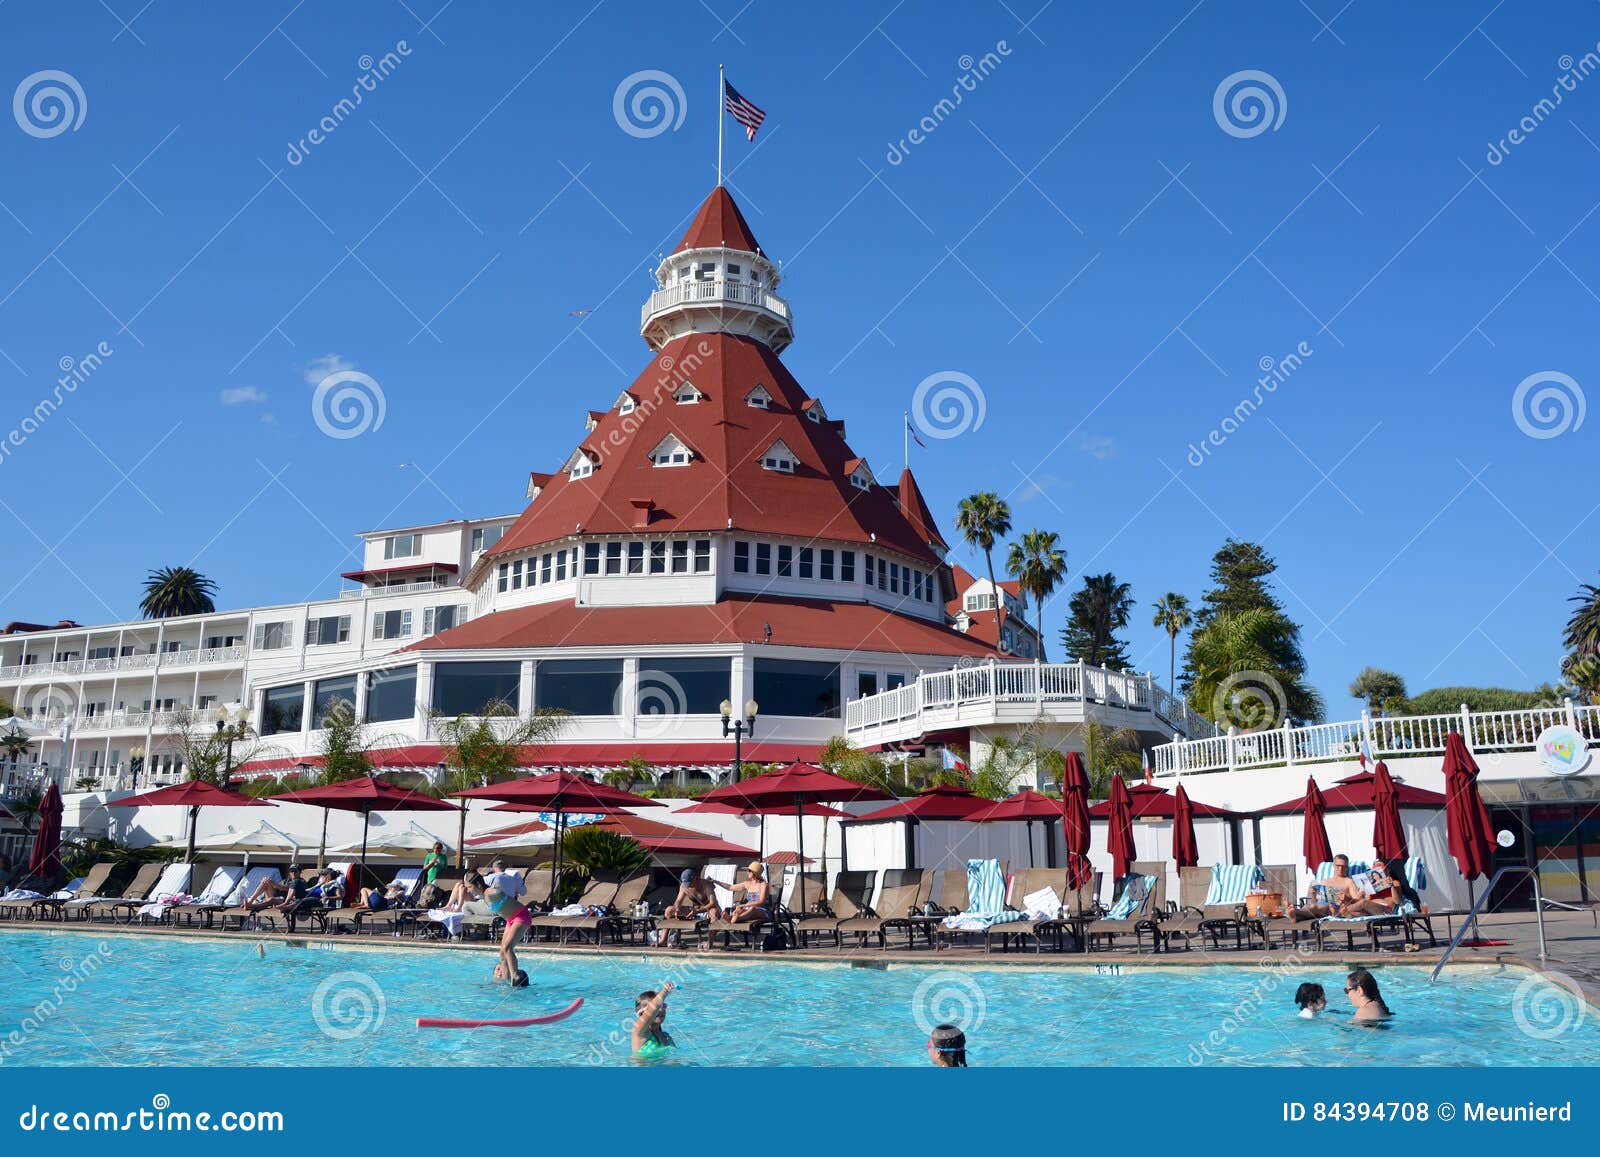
{"x": 329, "y": 692}
{"x": 391, "y": 695}
{"x": 578, "y": 686}
{"x": 683, "y": 686}
{"x": 469, "y": 688}
{"x": 283, "y": 709}
{"x": 796, "y": 687}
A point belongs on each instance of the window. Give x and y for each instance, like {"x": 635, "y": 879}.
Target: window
{"x": 682, "y": 686}
{"x": 435, "y": 619}
{"x": 797, "y": 688}
{"x": 483, "y": 537}
{"x": 282, "y": 709}
{"x": 806, "y": 562}
{"x": 271, "y": 636}
{"x": 658, "y": 557}
{"x": 544, "y": 568}
{"x": 613, "y": 558}
{"x": 391, "y": 695}
{"x": 626, "y": 404}
{"x": 561, "y": 565}
{"x": 391, "y": 624}
{"x": 780, "y": 458}
{"x": 815, "y": 412}
{"x": 894, "y": 578}
{"x": 671, "y": 452}
{"x": 680, "y": 557}
{"x": 866, "y": 684}
{"x": 327, "y": 630}
{"x": 847, "y": 566}
{"x": 578, "y": 686}
{"x": 168, "y": 648}
{"x": 758, "y": 399}
{"x": 212, "y": 643}
{"x": 503, "y": 577}
{"x": 741, "y": 558}
{"x": 687, "y": 395}
{"x": 582, "y": 468}
{"x": 861, "y": 480}
{"x": 894, "y": 680}
{"x": 516, "y": 575}
{"x": 980, "y": 602}
{"x": 102, "y": 652}
{"x": 591, "y": 558}
{"x": 825, "y": 564}
{"x": 402, "y": 546}
{"x": 702, "y": 556}
{"x": 636, "y": 558}
{"x": 871, "y": 562}
{"x": 734, "y": 272}
{"x": 469, "y": 688}
{"x": 328, "y": 693}
{"x": 705, "y": 271}
{"x": 785, "y": 562}
{"x": 763, "y": 558}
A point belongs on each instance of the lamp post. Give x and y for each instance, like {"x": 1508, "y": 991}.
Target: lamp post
{"x": 135, "y": 764}
{"x": 738, "y": 728}
{"x": 231, "y": 725}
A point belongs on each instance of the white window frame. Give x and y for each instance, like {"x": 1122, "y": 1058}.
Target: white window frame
{"x": 671, "y": 451}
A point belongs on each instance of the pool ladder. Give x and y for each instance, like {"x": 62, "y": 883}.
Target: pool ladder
{"x": 1472, "y": 914}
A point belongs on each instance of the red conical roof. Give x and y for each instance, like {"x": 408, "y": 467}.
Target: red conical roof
{"x": 718, "y": 224}
{"x": 915, "y": 509}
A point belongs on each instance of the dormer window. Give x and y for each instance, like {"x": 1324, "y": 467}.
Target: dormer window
{"x": 687, "y": 395}
{"x": 861, "y": 480}
{"x": 813, "y": 410}
{"x": 625, "y": 403}
{"x": 672, "y": 452}
{"x": 778, "y": 457}
{"x": 580, "y": 465}
{"x": 759, "y": 399}
{"x": 860, "y": 474}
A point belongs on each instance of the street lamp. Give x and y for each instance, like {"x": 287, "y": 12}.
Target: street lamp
{"x": 738, "y": 728}
{"x": 231, "y": 726}
{"x": 135, "y": 764}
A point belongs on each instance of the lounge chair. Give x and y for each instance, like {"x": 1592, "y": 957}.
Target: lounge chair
{"x": 1406, "y": 918}
{"x": 1045, "y": 913}
{"x": 138, "y": 888}
{"x": 615, "y": 918}
{"x": 896, "y": 903}
{"x": 952, "y": 891}
{"x": 236, "y": 909}
{"x": 222, "y": 891}
{"x": 601, "y": 893}
{"x": 173, "y": 881}
{"x": 1211, "y": 904}
{"x": 28, "y": 904}
{"x": 1142, "y": 898}
{"x": 360, "y": 919}
{"x": 851, "y": 899}
{"x": 986, "y": 904}
{"x": 92, "y": 887}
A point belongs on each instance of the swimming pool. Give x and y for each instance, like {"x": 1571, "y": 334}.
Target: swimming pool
{"x": 83, "y": 999}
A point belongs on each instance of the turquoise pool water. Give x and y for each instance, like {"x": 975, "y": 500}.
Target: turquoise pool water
{"x": 69, "y": 999}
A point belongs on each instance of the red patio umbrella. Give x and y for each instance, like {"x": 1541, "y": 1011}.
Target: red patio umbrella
{"x": 194, "y": 795}
{"x": 560, "y": 792}
{"x": 365, "y": 794}
{"x": 1185, "y": 849}
{"x": 704, "y": 807}
{"x": 650, "y": 834}
{"x": 1025, "y": 805}
{"x": 1388, "y": 837}
{"x": 1314, "y": 844}
{"x": 1119, "y": 828}
{"x": 44, "y": 862}
{"x": 788, "y": 790}
{"x": 1075, "y": 827}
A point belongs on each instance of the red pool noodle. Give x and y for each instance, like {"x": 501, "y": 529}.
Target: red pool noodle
{"x": 523, "y": 1022}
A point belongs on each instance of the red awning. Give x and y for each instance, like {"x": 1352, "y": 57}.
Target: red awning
{"x": 1151, "y": 802}
{"x": 1355, "y": 793}
{"x": 403, "y": 568}
{"x": 568, "y": 755}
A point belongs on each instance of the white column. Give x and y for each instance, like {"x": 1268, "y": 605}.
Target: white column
{"x": 424, "y": 698}
{"x": 627, "y": 719}
{"x": 525, "y": 688}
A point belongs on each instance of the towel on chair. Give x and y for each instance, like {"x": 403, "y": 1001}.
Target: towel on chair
{"x": 986, "y": 899}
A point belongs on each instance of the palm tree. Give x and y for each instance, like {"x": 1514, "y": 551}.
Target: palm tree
{"x": 1098, "y": 611}
{"x": 14, "y": 744}
{"x": 1038, "y": 566}
{"x": 1583, "y": 628}
{"x": 478, "y": 750}
{"x": 1109, "y": 751}
{"x": 176, "y": 590}
{"x": 1249, "y": 672}
{"x": 1172, "y": 615}
{"x": 982, "y": 518}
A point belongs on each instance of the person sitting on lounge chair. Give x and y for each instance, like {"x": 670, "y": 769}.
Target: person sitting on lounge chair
{"x": 696, "y": 900}
{"x": 756, "y": 896}
{"x": 1382, "y": 900}
{"x": 271, "y": 893}
{"x": 376, "y": 900}
{"x": 328, "y": 889}
{"x": 1339, "y": 889}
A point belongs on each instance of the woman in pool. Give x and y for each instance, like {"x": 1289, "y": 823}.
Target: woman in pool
{"x": 650, "y": 1040}
{"x": 947, "y": 1047}
{"x": 1362, "y": 989}
{"x": 1311, "y": 999}
{"x": 503, "y": 893}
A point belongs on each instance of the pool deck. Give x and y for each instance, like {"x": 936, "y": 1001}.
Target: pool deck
{"x": 1572, "y": 943}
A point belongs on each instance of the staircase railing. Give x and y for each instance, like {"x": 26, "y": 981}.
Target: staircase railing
{"x": 1472, "y": 914}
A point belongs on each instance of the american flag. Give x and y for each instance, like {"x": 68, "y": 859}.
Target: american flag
{"x": 743, "y": 111}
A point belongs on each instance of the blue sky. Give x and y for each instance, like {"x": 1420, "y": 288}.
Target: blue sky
{"x": 1082, "y": 237}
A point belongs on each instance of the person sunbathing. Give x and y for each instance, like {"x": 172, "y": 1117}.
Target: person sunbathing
{"x": 755, "y": 898}
{"x": 696, "y": 899}
{"x": 1383, "y": 900}
{"x": 376, "y": 900}
{"x": 1328, "y": 896}
{"x": 277, "y": 893}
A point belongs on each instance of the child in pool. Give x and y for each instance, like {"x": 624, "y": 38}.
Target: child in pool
{"x": 947, "y": 1047}
{"x": 650, "y": 1010}
{"x": 1311, "y": 999}
{"x": 519, "y": 977}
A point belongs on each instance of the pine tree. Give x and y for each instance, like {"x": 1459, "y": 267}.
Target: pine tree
{"x": 1096, "y": 613}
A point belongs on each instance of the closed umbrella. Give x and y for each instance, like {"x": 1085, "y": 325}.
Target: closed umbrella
{"x": 1466, "y": 819}
{"x": 1185, "y": 848}
{"x": 1314, "y": 844}
{"x": 366, "y": 794}
{"x": 1075, "y": 826}
{"x": 194, "y": 795}
{"x": 1027, "y": 806}
{"x": 1119, "y": 828}
{"x": 788, "y": 790}
{"x": 1388, "y": 837}
{"x": 45, "y": 860}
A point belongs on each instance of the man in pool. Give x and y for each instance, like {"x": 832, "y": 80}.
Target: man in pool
{"x": 1335, "y": 892}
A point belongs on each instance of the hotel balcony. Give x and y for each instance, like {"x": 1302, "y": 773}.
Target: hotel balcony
{"x": 719, "y": 304}
{"x": 190, "y": 657}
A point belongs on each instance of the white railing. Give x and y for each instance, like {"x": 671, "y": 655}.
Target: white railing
{"x": 1039, "y": 684}
{"x": 398, "y": 589}
{"x": 188, "y": 657}
{"x": 1396, "y": 737}
{"x": 718, "y": 291}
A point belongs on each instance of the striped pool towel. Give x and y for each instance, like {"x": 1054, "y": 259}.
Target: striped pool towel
{"x": 1230, "y": 883}
{"x": 986, "y": 899}
{"x": 1135, "y": 895}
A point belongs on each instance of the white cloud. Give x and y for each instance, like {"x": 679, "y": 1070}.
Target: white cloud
{"x": 325, "y": 365}
{"x": 1101, "y": 446}
{"x": 242, "y": 396}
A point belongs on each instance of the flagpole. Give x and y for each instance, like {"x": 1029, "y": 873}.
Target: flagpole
{"x": 905, "y": 435}
{"x": 722, "y": 99}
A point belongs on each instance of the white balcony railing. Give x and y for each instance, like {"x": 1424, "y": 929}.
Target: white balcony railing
{"x": 903, "y": 710}
{"x": 397, "y": 589}
{"x": 1387, "y": 738}
{"x": 716, "y": 292}
{"x": 189, "y": 657}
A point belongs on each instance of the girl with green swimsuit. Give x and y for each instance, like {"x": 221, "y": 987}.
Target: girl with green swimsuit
{"x": 650, "y": 1040}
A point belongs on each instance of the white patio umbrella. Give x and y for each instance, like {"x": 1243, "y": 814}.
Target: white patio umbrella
{"x": 262, "y": 838}
{"x": 402, "y": 841}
